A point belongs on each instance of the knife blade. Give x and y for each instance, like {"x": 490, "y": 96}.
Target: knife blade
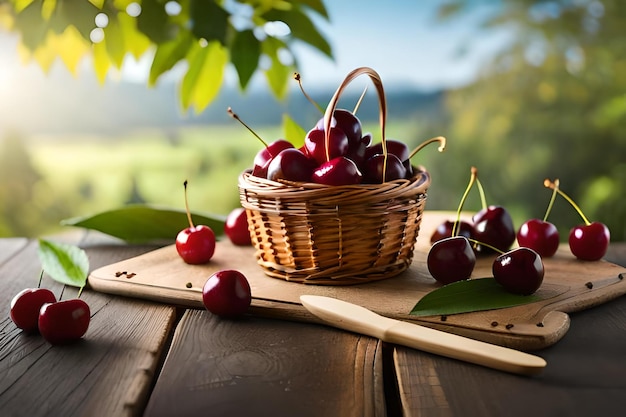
{"x": 360, "y": 320}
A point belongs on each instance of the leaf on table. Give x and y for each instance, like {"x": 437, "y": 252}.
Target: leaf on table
{"x": 140, "y": 223}
{"x": 468, "y": 296}
{"x": 67, "y": 264}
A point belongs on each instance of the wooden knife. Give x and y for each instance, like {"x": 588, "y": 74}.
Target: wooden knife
{"x": 360, "y": 320}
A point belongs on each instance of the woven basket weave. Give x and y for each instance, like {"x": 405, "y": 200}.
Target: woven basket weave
{"x": 335, "y": 235}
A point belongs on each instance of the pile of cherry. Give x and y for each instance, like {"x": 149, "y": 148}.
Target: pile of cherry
{"x": 455, "y": 244}
{"x": 346, "y": 156}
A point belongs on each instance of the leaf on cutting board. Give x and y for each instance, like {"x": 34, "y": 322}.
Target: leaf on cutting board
{"x": 467, "y": 296}
{"x": 67, "y": 264}
{"x": 139, "y": 223}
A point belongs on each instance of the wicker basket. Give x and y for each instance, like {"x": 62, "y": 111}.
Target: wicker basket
{"x": 335, "y": 235}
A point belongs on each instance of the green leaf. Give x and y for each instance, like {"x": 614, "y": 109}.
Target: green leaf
{"x": 64, "y": 263}
{"x": 278, "y": 75}
{"x": 208, "y": 20}
{"x": 294, "y": 133}
{"x": 115, "y": 42}
{"x": 144, "y": 223}
{"x": 154, "y": 22}
{"x": 204, "y": 77}
{"x": 169, "y": 54}
{"x": 301, "y": 27}
{"x": 468, "y": 296}
{"x": 316, "y": 5}
{"x": 244, "y": 54}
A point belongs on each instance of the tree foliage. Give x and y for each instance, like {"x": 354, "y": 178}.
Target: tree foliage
{"x": 206, "y": 35}
{"x": 550, "y": 105}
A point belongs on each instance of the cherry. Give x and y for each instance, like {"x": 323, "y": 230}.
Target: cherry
{"x": 195, "y": 244}
{"x": 236, "y": 227}
{"x": 493, "y": 225}
{"x": 451, "y": 259}
{"x": 540, "y": 235}
{"x": 338, "y": 171}
{"x": 519, "y": 271}
{"x": 227, "y": 293}
{"x": 379, "y": 169}
{"x": 25, "y": 307}
{"x": 348, "y": 122}
{"x": 292, "y": 165}
{"x": 588, "y": 242}
{"x": 64, "y": 321}
{"x": 263, "y": 158}
{"x": 394, "y": 147}
{"x": 315, "y": 144}
{"x": 445, "y": 230}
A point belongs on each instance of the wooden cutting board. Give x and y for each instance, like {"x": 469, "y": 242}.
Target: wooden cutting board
{"x": 569, "y": 285}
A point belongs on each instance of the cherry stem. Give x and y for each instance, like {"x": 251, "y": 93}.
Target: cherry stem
{"x": 474, "y": 173}
{"x": 296, "y": 76}
{"x": 62, "y": 291}
{"x": 40, "y": 279}
{"x": 549, "y": 184}
{"x": 440, "y": 139}
{"x": 358, "y": 103}
{"x": 236, "y": 117}
{"x": 187, "y": 206}
{"x": 481, "y": 191}
{"x": 551, "y": 203}
{"x": 80, "y": 291}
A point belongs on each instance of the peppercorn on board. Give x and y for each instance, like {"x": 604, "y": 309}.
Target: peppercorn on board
{"x": 569, "y": 285}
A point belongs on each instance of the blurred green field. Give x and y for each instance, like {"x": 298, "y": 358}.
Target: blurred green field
{"x": 86, "y": 175}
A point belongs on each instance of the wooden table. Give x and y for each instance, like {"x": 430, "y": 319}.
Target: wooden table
{"x": 144, "y": 358}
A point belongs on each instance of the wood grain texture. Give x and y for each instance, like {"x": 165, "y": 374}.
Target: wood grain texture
{"x": 260, "y": 367}
{"x": 569, "y": 285}
{"x": 116, "y": 360}
{"x": 585, "y": 376}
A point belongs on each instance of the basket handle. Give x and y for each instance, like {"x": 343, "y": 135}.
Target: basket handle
{"x": 330, "y": 109}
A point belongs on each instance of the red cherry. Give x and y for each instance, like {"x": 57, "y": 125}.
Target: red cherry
{"x": 451, "y": 259}
{"x": 292, "y": 165}
{"x": 540, "y": 236}
{"x": 64, "y": 321}
{"x": 519, "y": 271}
{"x": 227, "y": 293}
{"x": 25, "y": 307}
{"x": 338, "y": 171}
{"x": 315, "y": 144}
{"x": 264, "y": 157}
{"x": 394, "y": 147}
{"x": 347, "y": 121}
{"x": 493, "y": 226}
{"x": 236, "y": 227}
{"x": 444, "y": 230}
{"x": 195, "y": 244}
{"x": 589, "y": 242}
{"x": 374, "y": 167}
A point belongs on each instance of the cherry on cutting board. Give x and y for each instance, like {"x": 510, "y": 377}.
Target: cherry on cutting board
{"x": 195, "y": 244}
{"x": 25, "y": 307}
{"x": 236, "y": 227}
{"x": 227, "y": 293}
{"x": 64, "y": 321}
{"x": 539, "y": 234}
{"x": 588, "y": 241}
{"x": 451, "y": 259}
{"x": 520, "y": 271}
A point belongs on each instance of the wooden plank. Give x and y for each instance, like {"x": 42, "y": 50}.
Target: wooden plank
{"x": 267, "y": 367}
{"x": 162, "y": 276}
{"x": 109, "y": 372}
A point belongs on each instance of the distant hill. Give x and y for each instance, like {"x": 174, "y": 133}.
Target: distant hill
{"x": 67, "y": 105}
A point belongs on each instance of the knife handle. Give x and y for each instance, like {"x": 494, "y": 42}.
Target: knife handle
{"x": 463, "y": 348}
